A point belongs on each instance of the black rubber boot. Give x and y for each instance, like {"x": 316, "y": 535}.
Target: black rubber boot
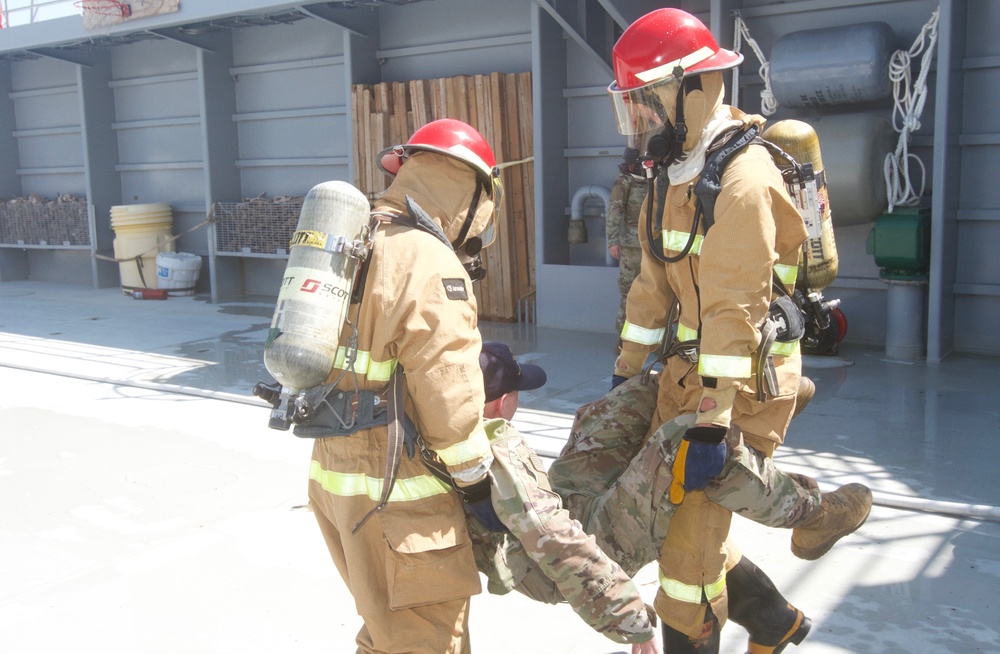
{"x": 756, "y": 605}
{"x": 674, "y": 642}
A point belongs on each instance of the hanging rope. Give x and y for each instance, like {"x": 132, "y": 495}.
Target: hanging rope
{"x": 768, "y": 103}
{"x": 908, "y": 105}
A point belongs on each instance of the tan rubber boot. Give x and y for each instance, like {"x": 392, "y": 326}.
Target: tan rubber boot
{"x": 840, "y": 513}
{"x": 805, "y": 393}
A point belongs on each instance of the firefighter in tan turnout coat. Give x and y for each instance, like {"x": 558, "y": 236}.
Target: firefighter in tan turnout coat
{"x": 396, "y": 532}
{"x": 720, "y": 259}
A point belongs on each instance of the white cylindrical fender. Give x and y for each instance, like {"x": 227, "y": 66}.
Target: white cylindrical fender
{"x": 854, "y": 151}
{"x": 316, "y": 288}
{"x": 832, "y": 66}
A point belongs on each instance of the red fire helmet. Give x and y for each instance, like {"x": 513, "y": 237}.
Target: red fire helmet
{"x": 444, "y": 136}
{"x": 655, "y": 45}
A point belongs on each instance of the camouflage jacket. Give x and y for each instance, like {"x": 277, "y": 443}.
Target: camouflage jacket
{"x": 622, "y": 222}
{"x": 546, "y": 554}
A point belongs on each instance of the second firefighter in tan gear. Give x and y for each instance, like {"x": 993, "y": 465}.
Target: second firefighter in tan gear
{"x": 723, "y": 286}
{"x": 409, "y": 564}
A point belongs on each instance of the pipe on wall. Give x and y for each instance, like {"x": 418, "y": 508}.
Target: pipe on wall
{"x": 580, "y": 198}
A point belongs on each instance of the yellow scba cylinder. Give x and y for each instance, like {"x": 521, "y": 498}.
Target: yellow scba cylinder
{"x": 819, "y": 264}
{"x": 141, "y": 232}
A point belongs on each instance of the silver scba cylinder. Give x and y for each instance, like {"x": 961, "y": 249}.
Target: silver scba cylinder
{"x": 316, "y": 288}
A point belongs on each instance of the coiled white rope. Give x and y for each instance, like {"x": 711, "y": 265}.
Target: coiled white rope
{"x": 768, "y": 103}
{"x": 908, "y": 105}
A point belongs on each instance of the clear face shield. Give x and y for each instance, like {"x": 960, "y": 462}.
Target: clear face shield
{"x": 495, "y": 189}
{"x": 644, "y": 111}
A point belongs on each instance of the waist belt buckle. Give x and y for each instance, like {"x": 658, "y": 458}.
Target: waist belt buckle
{"x": 688, "y": 353}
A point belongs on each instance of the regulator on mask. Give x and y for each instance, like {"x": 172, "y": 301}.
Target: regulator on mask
{"x": 471, "y": 257}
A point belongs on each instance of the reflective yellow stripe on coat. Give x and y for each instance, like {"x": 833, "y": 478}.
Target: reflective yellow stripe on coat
{"x": 350, "y": 484}
{"x": 675, "y": 241}
{"x": 476, "y": 446}
{"x": 689, "y": 593}
{"x": 685, "y": 333}
{"x": 787, "y": 274}
{"x": 719, "y": 365}
{"x": 642, "y": 335}
{"x": 379, "y": 371}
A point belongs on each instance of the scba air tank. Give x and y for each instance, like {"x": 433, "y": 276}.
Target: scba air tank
{"x": 820, "y": 264}
{"x": 316, "y": 288}
{"x": 832, "y": 66}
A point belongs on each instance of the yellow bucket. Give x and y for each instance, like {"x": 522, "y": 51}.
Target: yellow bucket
{"x": 141, "y": 232}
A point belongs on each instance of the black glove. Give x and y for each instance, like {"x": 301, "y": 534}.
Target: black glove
{"x": 617, "y": 380}
{"x": 700, "y": 458}
{"x": 478, "y": 500}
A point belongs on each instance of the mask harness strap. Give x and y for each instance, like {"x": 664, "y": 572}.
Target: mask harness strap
{"x": 664, "y": 149}
{"x": 469, "y": 217}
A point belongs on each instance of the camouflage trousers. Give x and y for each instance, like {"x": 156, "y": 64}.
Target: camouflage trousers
{"x": 628, "y": 269}
{"x": 618, "y": 486}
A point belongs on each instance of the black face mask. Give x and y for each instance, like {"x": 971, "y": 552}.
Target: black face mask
{"x": 667, "y": 146}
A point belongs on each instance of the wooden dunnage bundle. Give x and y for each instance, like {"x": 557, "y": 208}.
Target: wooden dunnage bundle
{"x": 499, "y": 106}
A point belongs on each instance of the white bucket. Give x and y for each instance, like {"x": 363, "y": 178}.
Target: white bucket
{"x": 177, "y": 272}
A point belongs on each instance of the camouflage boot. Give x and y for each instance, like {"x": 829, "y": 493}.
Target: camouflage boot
{"x": 840, "y": 513}
{"x": 756, "y": 605}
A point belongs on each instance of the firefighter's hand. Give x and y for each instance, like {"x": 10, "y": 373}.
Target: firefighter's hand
{"x": 700, "y": 457}
{"x": 648, "y": 647}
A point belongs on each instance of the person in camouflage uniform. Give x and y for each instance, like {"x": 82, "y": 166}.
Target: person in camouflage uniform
{"x": 603, "y": 507}
{"x": 622, "y": 225}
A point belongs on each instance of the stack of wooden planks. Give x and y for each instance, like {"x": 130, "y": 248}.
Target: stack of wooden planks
{"x": 499, "y": 106}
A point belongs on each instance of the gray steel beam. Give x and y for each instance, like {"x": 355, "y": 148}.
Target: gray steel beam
{"x": 362, "y": 22}
{"x": 579, "y": 39}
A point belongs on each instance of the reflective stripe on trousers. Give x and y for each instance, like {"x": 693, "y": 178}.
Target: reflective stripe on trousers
{"x": 689, "y": 593}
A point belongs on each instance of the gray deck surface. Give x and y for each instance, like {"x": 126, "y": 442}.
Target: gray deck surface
{"x": 147, "y": 508}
